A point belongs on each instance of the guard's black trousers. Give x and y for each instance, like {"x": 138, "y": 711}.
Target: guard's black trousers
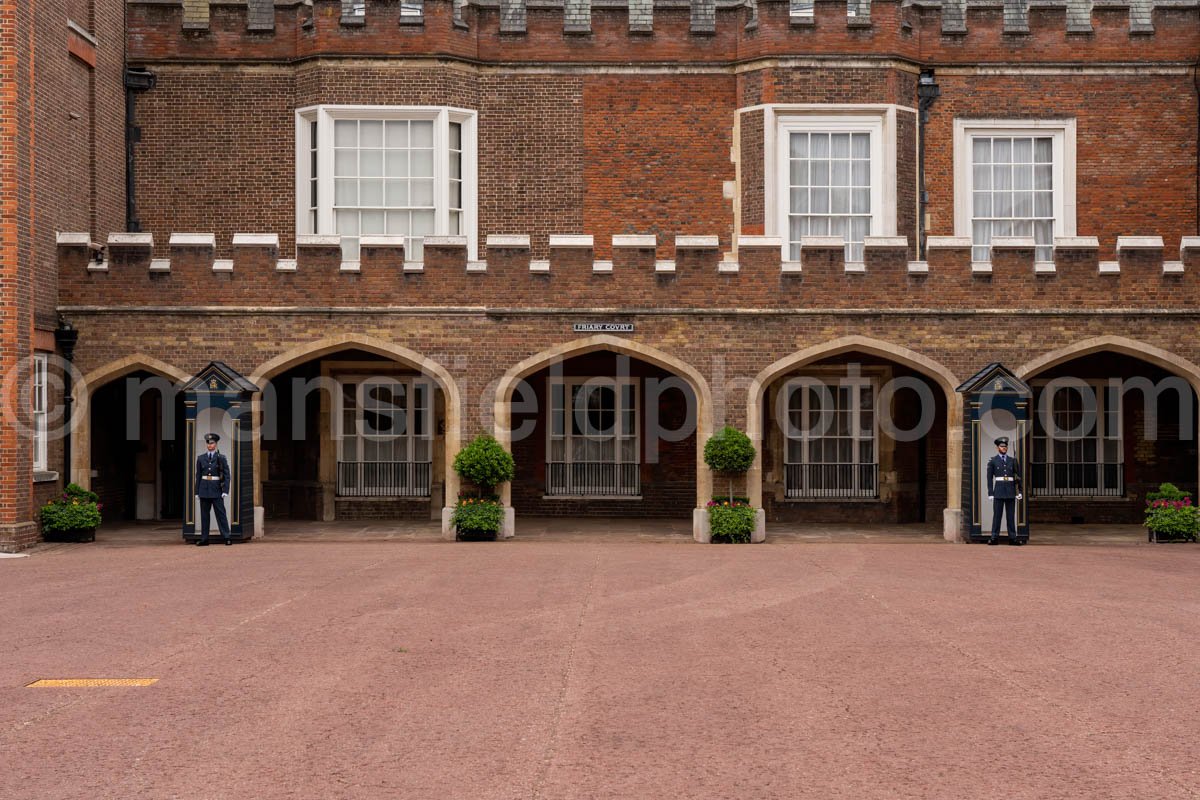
{"x": 1008, "y": 506}
{"x": 217, "y": 506}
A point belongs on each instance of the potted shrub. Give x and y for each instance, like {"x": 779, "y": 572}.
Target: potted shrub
{"x": 1170, "y": 515}
{"x": 485, "y": 464}
{"x": 730, "y": 519}
{"x": 74, "y": 515}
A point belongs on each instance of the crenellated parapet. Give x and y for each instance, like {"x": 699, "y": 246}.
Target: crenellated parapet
{"x": 699, "y": 274}
{"x": 566, "y": 30}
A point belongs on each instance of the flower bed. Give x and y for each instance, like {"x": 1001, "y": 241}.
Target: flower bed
{"x": 1170, "y": 515}
{"x": 731, "y": 522}
{"x": 477, "y": 518}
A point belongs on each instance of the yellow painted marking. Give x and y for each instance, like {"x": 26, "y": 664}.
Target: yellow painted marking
{"x": 72, "y": 682}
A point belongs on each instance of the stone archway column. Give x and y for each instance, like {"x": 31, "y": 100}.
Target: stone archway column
{"x": 952, "y": 515}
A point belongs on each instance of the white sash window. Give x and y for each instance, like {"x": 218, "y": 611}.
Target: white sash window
{"x": 832, "y": 440}
{"x": 593, "y": 440}
{"x": 384, "y": 436}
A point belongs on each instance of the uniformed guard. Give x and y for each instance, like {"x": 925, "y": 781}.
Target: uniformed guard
{"x": 1004, "y": 490}
{"x": 212, "y": 487}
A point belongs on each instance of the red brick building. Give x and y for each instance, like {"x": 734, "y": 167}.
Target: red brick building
{"x": 602, "y": 231}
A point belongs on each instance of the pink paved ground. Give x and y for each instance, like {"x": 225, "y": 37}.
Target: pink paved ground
{"x": 594, "y": 669}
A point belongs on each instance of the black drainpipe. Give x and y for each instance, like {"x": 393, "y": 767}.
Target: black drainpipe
{"x": 927, "y": 92}
{"x": 136, "y": 80}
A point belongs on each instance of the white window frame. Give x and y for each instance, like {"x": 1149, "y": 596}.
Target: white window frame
{"x": 39, "y": 406}
{"x": 781, "y": 120}
{"x": 362, "y": 381}
{"x": 442, "y": 116}
{"x": 1062, "y": 131}
{"x": 1101, "y": 390}
{"x": 569, "y": 384}
{"x": 805, "y": 436}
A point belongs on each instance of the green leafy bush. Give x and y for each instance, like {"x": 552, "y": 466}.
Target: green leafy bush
{"x": 730, "y": 523}
{"x": 1171, "y": 515}
{"x": 76, "y": 509}
{"x": 485, "y": 463}
{"x": 729, "y": 451}
{"x": 476, "y": 517}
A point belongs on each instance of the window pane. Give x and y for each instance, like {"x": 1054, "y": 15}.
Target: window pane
{"x": 421, "y": 193}
{"x": 370, "y": 133}
{"x": 345, "y": 192}
{"x": 421, "y": 133}
{"x": 345, "y": 133}
{"x": 345, "y": 163}
{"x": 371, "y": 192}
{"x": 370, "y": 163}
{"x": 421, "y": 163}
{"x": 799, "y": 145}
{"x": 839, "y": 145}
{"x": 981, "y": 150}
{"x": 396, "y": 134}
{"x": 861, "y": 146}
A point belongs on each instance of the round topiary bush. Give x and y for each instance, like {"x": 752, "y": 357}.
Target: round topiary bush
{"x": 485, "y": 463}
{"x": 729, "y": 451}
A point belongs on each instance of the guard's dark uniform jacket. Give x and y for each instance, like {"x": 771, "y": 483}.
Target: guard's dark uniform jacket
{"x": 1004, "y": 477}
{"x": 212, "y": 475}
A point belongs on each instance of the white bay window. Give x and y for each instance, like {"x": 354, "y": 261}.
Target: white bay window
{"x": 830, "y": 171}
{"x": 387, "y": 171}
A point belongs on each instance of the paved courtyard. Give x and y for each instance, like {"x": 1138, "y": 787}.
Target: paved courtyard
{"x": 586, "y": 666}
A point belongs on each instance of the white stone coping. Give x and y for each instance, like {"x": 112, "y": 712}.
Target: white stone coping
{"x": 639, "y": 241}
{"x": 1173, "y": 268}
{"x": 382, "y": 241}
{"x": 445, "y": 241}
{"x": 602, "y": 266}
{"x": 573, "y": 241}
{"x": 760, "y": 241}
{"x": 1189, "y": 243}
{"x": 1077, "y": 242}
{"x": 947, "y": 242}
{"x": 1139, "y": 243}
{"x": 505, "y": 240}
{"x": 285, "y": 265}
{"x": 1044, "y": 268}
{"x": 856, "y": 267}
{"x": 981, "y": 268}
{"x": 918, "y": 268}
{"x": 131, "y": 239}
{"x": 474, "y": 266}
{"x": 791, "y": 267}
{"x": 414, "y": 266}
{"x": 664, "y": 265}
{"x": 76, "y": 239}
{"x": 822, "y": 242}
{"x": 1013, "y": 242}
{"x": 318, "y": 240}
{"x": 1110, "y": 267}
{"x": 728, "y": 267}
{"x": 193, "y": 240}
{"x": 697, "y": 242}
{"x": 880, "y": 242}
{"x": 223, "y": 265}
{"x": 350, "y": 266}
{"x": 100, "y": 267}
{"x": 539, "y": 265}
{"x": 160, "y": 265}
{"x": 256, "y": 240}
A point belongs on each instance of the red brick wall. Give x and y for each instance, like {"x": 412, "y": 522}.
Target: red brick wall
{"x": 656, "y": 150}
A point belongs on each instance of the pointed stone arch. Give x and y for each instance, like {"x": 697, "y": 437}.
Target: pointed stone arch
{"x": 943, "y": 377}
{"x": 81, "y": 394}
{"x": 1117, "y": 344}
{"x": 1165, "y": 359}
{"x": 381, "y": 347}
{"x": 504, "y": 390}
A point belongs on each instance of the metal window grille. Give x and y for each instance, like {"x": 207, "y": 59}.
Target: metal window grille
{"x": 830, "y": 441}
{"x": 1084, "y": 457}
